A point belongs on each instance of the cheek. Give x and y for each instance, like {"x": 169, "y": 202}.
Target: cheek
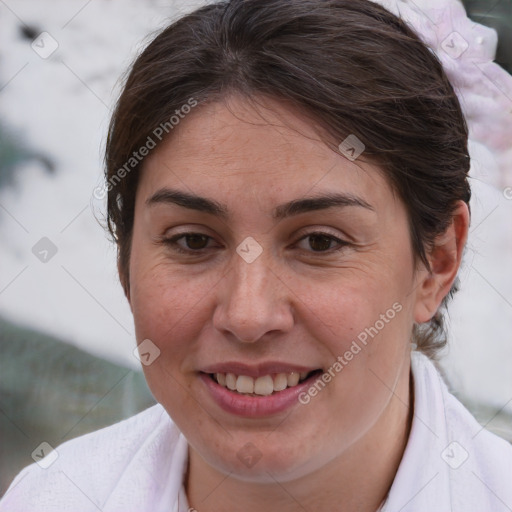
{"x": 164, "y": 299}
{"x": 170, "y": 310}
{"x": 363, "y": 321}
{"x": 346, "y": 304}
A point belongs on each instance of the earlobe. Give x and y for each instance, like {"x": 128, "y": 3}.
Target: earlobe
{"x": 444, "y": 258}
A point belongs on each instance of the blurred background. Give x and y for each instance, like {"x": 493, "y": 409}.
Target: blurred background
{"x": 66, "y": 334}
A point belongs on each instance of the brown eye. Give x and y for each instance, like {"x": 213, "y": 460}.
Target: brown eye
{"x": 196, "y": 241}
{"x": 189, "y": 243}
{"x": 320, "y": 242}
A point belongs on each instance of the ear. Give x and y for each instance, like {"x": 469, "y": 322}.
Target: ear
{"x": 444, "y": 259}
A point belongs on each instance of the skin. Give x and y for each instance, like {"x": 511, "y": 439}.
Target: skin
{"x": 292, "y": 304}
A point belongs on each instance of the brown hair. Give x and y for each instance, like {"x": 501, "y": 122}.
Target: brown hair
{"x": 350, "y": 64}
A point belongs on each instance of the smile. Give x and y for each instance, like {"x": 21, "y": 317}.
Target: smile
{"x": 264, "y": 385}
{"x": 271, "y": 389}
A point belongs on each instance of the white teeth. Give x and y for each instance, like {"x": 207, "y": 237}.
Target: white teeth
{"x": 293, "y": 379}
{"x": 245, "y": 384}
{"x": 280, "y": 382}
{"x": 230, "y": 381}
{"x": 264, "y": 385}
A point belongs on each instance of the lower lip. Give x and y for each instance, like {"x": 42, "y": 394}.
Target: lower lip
{"x": 255, "y": 406}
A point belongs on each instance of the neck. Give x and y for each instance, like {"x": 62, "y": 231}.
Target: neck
{"x": 359, "y": 479}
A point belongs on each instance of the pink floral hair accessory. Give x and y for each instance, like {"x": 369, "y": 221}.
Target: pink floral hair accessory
{"x": 467, "y": 51}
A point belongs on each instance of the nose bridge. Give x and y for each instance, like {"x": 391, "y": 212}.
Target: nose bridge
{"x": 253, "y": 302}
{"x": 250, "y": 281}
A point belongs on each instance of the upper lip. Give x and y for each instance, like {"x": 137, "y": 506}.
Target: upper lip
{"x": 256, "y": 370}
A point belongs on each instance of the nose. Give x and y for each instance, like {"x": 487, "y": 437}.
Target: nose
{"x": 253, "y": 302}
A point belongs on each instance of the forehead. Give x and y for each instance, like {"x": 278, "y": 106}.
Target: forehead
{"x": 268, "y": 152}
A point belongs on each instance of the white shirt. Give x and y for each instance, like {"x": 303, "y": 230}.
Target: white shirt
{"x": 450, "y": 464}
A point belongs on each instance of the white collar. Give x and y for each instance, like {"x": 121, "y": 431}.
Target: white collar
{"x": 450, "y": 462}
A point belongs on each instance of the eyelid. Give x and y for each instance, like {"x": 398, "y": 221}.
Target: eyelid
{"x": 318, "y": 230}
{"x": 172, "y": 241}
{"x": 341, "y": 242}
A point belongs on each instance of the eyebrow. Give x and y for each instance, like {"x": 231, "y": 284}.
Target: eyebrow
{"x": 295, "y": 207}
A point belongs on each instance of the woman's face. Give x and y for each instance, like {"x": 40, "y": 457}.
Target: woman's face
{"x": 300, "y": 261}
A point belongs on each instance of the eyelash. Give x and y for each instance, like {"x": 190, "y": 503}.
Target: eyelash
{"x": 172, "y": 242}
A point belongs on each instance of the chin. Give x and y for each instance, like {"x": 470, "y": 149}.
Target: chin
{"x": 250, "y": 464}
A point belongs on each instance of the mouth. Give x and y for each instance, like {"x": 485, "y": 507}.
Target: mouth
{"x": 258, "y": 390}
{"x": 264, "y": 385}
